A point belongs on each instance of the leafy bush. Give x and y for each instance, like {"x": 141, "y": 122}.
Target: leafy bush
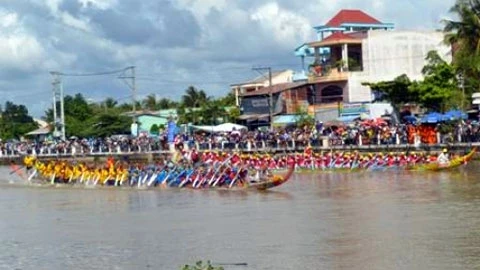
{"x": 200, "y": 266}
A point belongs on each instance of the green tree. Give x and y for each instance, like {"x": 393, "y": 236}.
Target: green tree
{"x": 233, "y": 114}
{"x": 464, "y": 35}
{"x": 165, "y": 103}
{"x": 103, "y": 125}
{"x": 15, "y": 121}
{"x": 211, "y": 112}
{"x": 154, "y": 129}
{"x": 125, "y": 107}
{"x": 194, "y": 98}
{"x": 397, "y": 92}
{"x": 228, "y": 100}
{"x": 150, "y": 103}
{"x": 110, "y": 103}
{"x": 304, "y": 119}
{"x": 185, "y": 115}
{"x": 439, "y": 85}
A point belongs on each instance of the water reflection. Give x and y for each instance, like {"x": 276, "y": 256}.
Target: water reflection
{"x": 369, "y": 220}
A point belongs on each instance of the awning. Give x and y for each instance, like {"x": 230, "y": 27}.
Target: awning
{"x": 284, "y": 119}
{"x": 349, "y": 118}
{"x": 40, "y": 131}
{"x": 252, "y": 117}
{"x": 227, "y": 127}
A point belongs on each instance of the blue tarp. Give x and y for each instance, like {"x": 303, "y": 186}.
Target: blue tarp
{"x": 433, "y": 118}
{"x": 349, "y": 118}
{"x": 436, "y": 117}
{"x": 410, "y": 119}
{"x": 456, "y": 115}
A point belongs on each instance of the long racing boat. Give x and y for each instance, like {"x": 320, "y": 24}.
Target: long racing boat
{"x": 212, "y": 176}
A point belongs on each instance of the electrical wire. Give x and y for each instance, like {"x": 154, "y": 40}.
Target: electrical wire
{"x": 92, "y": 74}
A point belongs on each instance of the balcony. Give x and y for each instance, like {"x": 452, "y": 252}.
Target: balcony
{"x": 324, "y": 74}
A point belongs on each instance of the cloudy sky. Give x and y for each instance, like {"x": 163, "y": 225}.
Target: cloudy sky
{"x": 173, "y": 43}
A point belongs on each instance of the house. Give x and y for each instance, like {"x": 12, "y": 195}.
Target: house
{"x": 42, "y": 132}
{"x": 354, "y": 47}
{"x": 286, "y": 98}
{"x": 146, "y": 119}
{"x": 278, "y": 77}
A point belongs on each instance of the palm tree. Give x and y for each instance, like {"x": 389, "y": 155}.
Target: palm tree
{"x": 165, "y": 103}
{"x": 464, "y": 36}
{"x": 110, "y": 103}
{"x": 150, "y": 102}
{"x": 212, "y": 111}
{"x": 194, "y": 98}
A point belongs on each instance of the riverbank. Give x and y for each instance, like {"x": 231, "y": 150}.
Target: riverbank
{"x": 150, "y": 156}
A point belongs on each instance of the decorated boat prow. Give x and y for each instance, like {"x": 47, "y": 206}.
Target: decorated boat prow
{"x": 453, "y": 163}
{"x": 275, "y": 180}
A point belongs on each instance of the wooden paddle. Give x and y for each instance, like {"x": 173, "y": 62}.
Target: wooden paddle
{"x": 16, "y": 169}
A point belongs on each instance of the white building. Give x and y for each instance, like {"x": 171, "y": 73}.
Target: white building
{"x": 354, "y": 48}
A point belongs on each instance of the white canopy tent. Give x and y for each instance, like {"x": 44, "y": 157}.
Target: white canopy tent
{"x": 227, "y": 127}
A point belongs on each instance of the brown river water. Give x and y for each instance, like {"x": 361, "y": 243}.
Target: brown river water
{"x": 368, "y": 220}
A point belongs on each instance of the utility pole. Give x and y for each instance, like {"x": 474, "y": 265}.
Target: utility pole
{"x": 134, "y": 91}
{"x": 132, "y": 85}
{"x": 58, "y": 106}
{"x": 461, "y": 80}
{"x": 270, "y": 98}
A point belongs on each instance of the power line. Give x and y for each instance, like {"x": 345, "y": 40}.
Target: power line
{"x": 93, "y": 74}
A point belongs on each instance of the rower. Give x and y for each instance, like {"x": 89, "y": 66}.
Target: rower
{"x": 28, "y": 161}
{"x": 443, "y": 157}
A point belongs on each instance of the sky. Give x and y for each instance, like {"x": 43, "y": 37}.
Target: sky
{"x": 172, "y": 43}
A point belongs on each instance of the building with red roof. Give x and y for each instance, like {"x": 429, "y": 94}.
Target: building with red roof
{"x": 356, "y": 16}
{"x": 351, "y": 48}
{"x": 354, "y": 47}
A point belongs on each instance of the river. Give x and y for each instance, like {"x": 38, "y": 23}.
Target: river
{"x": 369, "y": 220}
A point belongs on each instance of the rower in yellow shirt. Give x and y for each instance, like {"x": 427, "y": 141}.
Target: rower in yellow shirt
{"x": 104, "y": 176}
{"x": 29, "y": 162}
{"x": 77, "y": 173}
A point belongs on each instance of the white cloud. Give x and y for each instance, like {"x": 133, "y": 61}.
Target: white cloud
{"x": 95, "y": 35}
{"x": 201, "y": 8}
{"x": 8, "y": 20}
{"x": 20, "y": 51}
{"x": 74, "y": 22}
{"x": 101, "y": 4}
{"x": 284, "y": 25}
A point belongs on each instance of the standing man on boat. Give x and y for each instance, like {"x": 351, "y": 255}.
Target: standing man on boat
{"x": 443, "y": 157}
{"x": 172, "y": 131}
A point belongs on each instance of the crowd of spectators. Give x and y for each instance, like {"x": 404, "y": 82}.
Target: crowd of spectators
{"x": 332, "y": 134}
